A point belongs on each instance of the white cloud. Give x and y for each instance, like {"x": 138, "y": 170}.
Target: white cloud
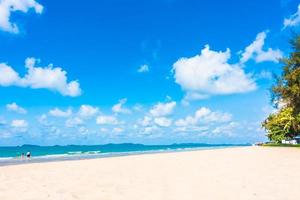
{"x": 191, "y": 129}
{"x": 118, "y": 108}
{"x": 293, "y": 20}
{"x": 255, "y": 51}
{"x": 226, "y": 129}
{"x": 106, "y": 119}
{"x": 8, "y": 76}
{"x": 202, "y": 112}
{"x": 143, "y": 69}
{"x": 56, "y": 112}
{"x": 264, "y": 75}
{"x": 163, "y": 121}
{"x": 209, "y": 116}
{"x": 19, "y": 123}
{"x": 15, "y": 108}
{"x": 146, "y": 121}
{"x": 49, "y": 77}
{"x": 210, "y": 74}
{"x": 157, "y": 116}
{"x": 87, "y": 111}
{"x": 73, "y": 122}
{"x": 43, "y": 120}
{"x": 163, "y": 109}
{"x": 9, "y": 6}
{"x": 150, "y": 130}
{"x": 187, "y": 121}
{"x": 204, "y": 115}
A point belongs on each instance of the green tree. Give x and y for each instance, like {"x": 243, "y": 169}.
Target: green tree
{"x": 285, "y": 123}
{"x": 280, "y": 125}
{"x": 287, "y": 88}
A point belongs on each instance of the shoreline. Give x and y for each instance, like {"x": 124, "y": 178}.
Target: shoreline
{"x": 65, "y": 157}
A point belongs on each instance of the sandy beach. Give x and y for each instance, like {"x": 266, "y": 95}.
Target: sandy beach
{"x": 233, "y": 173}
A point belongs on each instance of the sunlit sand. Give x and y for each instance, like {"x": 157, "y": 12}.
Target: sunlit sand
{"x": 233, "y": 173}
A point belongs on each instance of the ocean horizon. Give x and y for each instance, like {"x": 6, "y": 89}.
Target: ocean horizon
{"x": 13, "y": 154}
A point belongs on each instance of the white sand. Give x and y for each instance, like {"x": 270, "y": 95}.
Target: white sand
{"x": 235, "y": 173}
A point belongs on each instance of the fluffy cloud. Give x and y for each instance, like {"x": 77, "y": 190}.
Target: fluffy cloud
{"x": 52, "y": 78}
{"x": 255, "y": 51}
{"x": 15, "y": 108}
{"x": 163, "y": 121}
{"x": 8, "y": 76}
{"x": 149, "y": 121}
{"x": 210, "y": 73}
{"x": 107, "y": 120}
{"x": 264, "y": 74}
{"x": 9, "y": 6}
{"x": 146, "y": 121}
{"x": 157, "y": 116}
{"x": 226, "y": 129}
{"x": 56, "y": 112}
{"x": 143, "y": 69}
{"x": 163, "y": 109}
{"x": 43, "y": 120}
{"x": 204, "y": 115}
{"x": 87, "y": 111}
{"x": 210, "y": 116}
{"x": 118, "y": 108}
{"x": 19, "y": 125}
{"x": 73, "y": 122}
{"x": 150, "y": 131}
{"x": 293, "y": 20}
{"x": 187, "y": 129}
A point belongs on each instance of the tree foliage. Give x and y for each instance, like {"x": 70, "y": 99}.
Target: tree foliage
{"x": 285, "y": 123}
{"x": 280, "y": 125}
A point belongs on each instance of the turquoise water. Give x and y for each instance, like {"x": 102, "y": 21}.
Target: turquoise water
{"x": 12, "y": 155}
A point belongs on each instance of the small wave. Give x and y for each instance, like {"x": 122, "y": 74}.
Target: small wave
{"x": 92, "y": 152}
{"x": 83, "y": 152}
{"x": 52, "y": 156}
{"x": 74, "y": 152}
{"x": 8, "y": 158}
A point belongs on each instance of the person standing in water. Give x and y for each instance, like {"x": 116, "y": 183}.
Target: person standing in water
{"x": 28, "y": 154}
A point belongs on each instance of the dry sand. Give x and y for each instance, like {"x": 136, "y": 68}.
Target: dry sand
{"x": 235, "y": 173}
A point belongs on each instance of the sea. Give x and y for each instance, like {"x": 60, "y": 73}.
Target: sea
{"x": 13, "y": 155}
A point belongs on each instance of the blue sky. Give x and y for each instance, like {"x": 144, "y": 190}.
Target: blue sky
{"x": 152, "y": 72}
